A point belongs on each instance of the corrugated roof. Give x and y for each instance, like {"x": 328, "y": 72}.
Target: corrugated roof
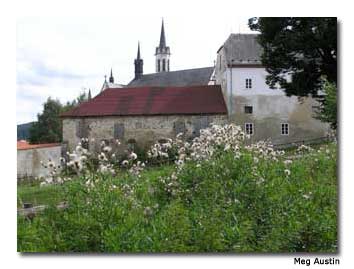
{"x": 242, "y": 49}
{"x": 181, "y": 78}
{"x": 23, "y": 144}
{"x": 153, "y": 101}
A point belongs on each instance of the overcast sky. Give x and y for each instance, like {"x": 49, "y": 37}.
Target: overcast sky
{"x": 61, "y": 56}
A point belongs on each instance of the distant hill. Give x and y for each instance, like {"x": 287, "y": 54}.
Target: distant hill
{"x": 23, "y": 131}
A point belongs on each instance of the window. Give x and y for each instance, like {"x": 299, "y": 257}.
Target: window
{"x": 200, "y": 123}
{"x": 248, "y": 109}
{"x": 249, "y": 128}
{"x": 163, "y": 65}
{"x": 158, "y": 66}
{"x": 131, "y": 144}
{"x": 118, "y": 131}
{"x": 168, "y": 65}
{"x": 82, "y": 129}
{"x": 179, "y": 127}
{"x": 248, "y": 83}
{"x": 285, "y": 128}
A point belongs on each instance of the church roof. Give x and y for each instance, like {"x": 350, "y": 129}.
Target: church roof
{"x": 148, "y": 101}
{"x": 181, "y": 78}
{"x": 243, "y": 49}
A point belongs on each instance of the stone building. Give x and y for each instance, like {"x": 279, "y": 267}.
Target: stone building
{"x": 144, "y": 115}
{"x": 263, "y": 112}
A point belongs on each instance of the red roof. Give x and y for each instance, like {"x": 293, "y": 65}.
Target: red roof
{"x": 23, "y": 144}
{"x": 153, "y": 101}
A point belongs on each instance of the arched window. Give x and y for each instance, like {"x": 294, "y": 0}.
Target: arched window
{"x": 163, "y": 65}
{"x": 158, "y": 66}
{"x": 168, "y": 65}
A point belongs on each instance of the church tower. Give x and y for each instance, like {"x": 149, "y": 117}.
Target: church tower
{"x": 138, "y": 63}
{"x": 162, "y": 54}
{"x": 111, "y": 78}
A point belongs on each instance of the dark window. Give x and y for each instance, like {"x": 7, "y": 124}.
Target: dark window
{"x": 285, "y": 129}
{"x": 179, "y": 127}
{"x": 158, "y": 66}
{"x": 118, "y": 131}
{"x": 81, "y": 129}
{"x": 131, "y": 144}
{"x": 248, "y": 109}
{"x": 200, "y": 123}
{"x": 168, "y": 65}
{"x": 249, "y": 128}
{"x": 163, "y": 65}
{"x": 248, "y": 83}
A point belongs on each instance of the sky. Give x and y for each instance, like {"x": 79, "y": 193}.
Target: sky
{"x": 60, "y": 57}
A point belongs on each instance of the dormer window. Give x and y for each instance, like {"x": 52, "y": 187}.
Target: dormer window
{"x": 248, "y": 83}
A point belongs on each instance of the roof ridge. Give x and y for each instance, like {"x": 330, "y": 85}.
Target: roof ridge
{"x": 178, "y": 70}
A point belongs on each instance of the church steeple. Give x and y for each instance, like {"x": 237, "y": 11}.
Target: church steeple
{"x": 111, "y": 78}
{"x": 138, "y": 63}
{"x": 162, "y": 37}
{"x": 162, "y": 53}
{"x": 89, "y": 95}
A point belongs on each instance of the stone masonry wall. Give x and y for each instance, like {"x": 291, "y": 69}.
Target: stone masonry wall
{"x": 144, "y": 130}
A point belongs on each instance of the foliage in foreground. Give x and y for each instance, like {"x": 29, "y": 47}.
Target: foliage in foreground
{"x": 226, "y": 203}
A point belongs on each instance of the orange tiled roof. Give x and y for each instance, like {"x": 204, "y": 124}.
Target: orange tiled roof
{"x": 23, "y": 144}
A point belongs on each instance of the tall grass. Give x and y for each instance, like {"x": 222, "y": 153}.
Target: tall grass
{"x": 223, "y": 204}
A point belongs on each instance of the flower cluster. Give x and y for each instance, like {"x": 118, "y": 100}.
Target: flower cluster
{"x": 53, "y": 175}
{"x": 80, "y": 161}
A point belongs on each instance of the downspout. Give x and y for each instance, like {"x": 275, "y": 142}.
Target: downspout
{"x": 230, "y": 105}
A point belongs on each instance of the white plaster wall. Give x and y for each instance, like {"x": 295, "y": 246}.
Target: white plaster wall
{"x": 28, "y": 161}
{"x": 271, "y": 107}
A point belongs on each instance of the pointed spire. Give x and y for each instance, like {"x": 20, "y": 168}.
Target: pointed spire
{"x": 138, "y": 56}
{"x": 162, "y": 37}
{"x": 89, "y": 95}
{"x": 111, "y": 78}
{"x": 105, "y": 78}
{"x": 138, "y": 63}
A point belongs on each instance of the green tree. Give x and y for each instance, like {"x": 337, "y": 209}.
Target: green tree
{"x": 83, "y": 96}
{"x": 305, "y": 48}
{"x": 328, "y": 109}
{"x": 48, "y": 128}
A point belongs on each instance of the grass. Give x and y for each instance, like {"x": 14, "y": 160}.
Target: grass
{"x": 221, "y": 205}
{"x": 32, "y": 193}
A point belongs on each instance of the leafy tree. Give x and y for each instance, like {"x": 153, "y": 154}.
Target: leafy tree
{"x": 305, "y": 48}
{"x": 48, "y": 128}
{"x": 83, "y": 96}
{"x": 328, "y": 110}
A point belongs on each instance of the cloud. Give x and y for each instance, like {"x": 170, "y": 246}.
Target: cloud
{"x": 59, "y": 57}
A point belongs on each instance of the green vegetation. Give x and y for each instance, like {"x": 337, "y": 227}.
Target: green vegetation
{"x": 328, "y": 108}
{"x": 226, "y": 203}
{"x": 303, "y": 47}
{"x": 32, "y": 193}
{"x": 48, "y": 127}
